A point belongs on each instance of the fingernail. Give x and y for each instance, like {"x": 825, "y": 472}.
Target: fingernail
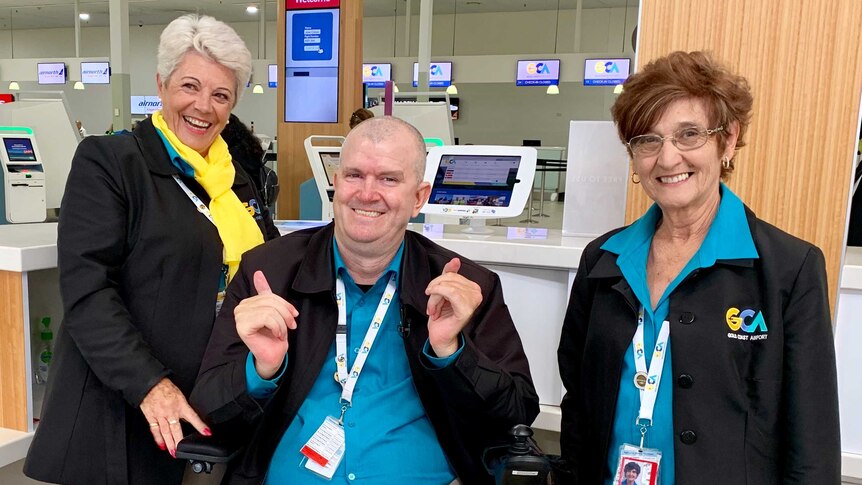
{"x": 174, "y": 453}
{"x": 162, "y": 446}
{"x": 207, "y": 432}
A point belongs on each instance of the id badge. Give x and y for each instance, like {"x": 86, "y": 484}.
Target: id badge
{"x": 329, "y": 470}
{"x": 325, "y": 444}
{"x": 637, "y": 466}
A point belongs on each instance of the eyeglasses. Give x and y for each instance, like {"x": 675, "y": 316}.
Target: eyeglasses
{"x": 684, "y": 139}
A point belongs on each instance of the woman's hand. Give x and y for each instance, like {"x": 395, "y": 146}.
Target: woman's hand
{"x": 164, "y": 406}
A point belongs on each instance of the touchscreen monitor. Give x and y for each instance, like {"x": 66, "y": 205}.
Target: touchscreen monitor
{"x": 19, "y": 149}
{"x": 479, "y": 181}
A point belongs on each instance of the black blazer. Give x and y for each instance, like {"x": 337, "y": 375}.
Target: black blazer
{"x": 471, "y": 403}
{"x": 139, "y": 270}
{"x": 744, "y": 411}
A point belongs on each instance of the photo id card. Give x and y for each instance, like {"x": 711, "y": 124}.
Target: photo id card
{"x": 637, "y": 466}
{"x": 325, "y": 443}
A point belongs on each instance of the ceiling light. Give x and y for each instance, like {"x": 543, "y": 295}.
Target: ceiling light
{"x": 84, "y": 16}
{"x": 13, "y": 86}
{"x": 257, "y": 89}
{"x": 78, "y": 85}
{"x": 251, "y": 9}
{"x": 553, "y": 89}
{"x": 452, "y": 89}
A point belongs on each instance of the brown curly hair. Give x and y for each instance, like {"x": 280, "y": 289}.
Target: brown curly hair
{"x": 684, "y": 75}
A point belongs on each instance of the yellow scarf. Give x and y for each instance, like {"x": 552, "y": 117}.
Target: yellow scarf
{"x": 215, "y": 173}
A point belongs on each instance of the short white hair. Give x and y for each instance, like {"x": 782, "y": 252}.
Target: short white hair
{"x": 211, "y": 38}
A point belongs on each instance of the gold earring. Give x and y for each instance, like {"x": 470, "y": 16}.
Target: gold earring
{"x": 725, "y": 163}
{"x": 634, "y": 174}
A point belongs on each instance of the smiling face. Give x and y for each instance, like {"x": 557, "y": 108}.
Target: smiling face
{"x": 377, "y": 191}
{"x": 197, "y": 100}
{"x": 684, "y": 180}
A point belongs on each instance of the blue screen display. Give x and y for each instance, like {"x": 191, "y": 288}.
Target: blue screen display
{"x": 19, "y": 149}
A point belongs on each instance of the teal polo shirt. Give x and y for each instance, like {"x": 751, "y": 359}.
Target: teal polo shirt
{"x": 389, "y": 438}
{"x": 631, "y": 245}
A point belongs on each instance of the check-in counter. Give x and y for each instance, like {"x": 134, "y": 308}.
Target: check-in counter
{"x": 28, "y": 290}
{"x": 536, "y": 275}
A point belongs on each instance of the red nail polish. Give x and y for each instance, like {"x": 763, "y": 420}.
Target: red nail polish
{"x": 162, "y": 446}
{"x": 207, "y": 432}
{"x": 174, "y": 453}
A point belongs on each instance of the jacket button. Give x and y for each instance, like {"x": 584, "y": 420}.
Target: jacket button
{"x": 686, "y": 318}
{"x": 688, "y": 437}
{"x": 685, "y": 381}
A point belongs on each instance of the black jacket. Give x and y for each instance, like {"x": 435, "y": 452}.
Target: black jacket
{"x": 139, "y": 270}
{"x": 753, "y": 411}
{"x": 472, "y": 403}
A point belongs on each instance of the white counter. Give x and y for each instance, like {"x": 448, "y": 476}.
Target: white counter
{"x": 28, "y": 247}
{"x": 536, "y": 276}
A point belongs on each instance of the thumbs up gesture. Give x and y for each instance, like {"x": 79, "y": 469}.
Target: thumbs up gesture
{"x": 262, "y": 322}
{"x": 453, "y": 299}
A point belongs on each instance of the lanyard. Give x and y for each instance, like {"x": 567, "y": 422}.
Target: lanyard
{"x": 652, "y": 378}
{"x": 202, "y": 208}
{"x": 348, "y": 382}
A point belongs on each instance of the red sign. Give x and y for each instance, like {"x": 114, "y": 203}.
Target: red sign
{"x": 6, "y": 98}
{"x": 303, "y": 4}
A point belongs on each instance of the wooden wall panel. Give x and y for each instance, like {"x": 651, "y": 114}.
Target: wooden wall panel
{"x": 293, "y": 167}
{"x": 13, "y": 376}
{"x": 804, "y": 63}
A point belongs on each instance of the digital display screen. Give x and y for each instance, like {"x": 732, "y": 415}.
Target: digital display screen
{"x": 330, "y": 164}
{"x": 538, "y": 73}
{"x": 145, "y": 105}
{"x": 439, "y": 74}
{"x": 376, "y": 75}
{"x": 311, "y": 66}
{"x": 19, "y": 149}
{"x": 95, "y": 73}
{"x": 51, "y": 73}
{"x": 606, "y": 72}
{"x": 273, "y": 75}
{"x": 475, "y": 180}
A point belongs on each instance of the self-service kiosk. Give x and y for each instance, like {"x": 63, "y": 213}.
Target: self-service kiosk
{"x": 324, "y": 153}
{"x": 23, "y": 188}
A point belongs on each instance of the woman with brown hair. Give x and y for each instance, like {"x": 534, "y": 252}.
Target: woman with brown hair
{"x": 697, "y": 339}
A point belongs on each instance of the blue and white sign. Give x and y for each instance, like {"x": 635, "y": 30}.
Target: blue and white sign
{"x": 538, "y": 73}
{"x": 95, "y": 73}
{"x": 439, "y": 74}
{"x": 376, "y": 75}
{"x": 606, "y": 72}
{"x": 312, "y": 36}
{"x": 273, "y": 75}
{"x": 51, "y": 73}
{"x": 145, "y": 105}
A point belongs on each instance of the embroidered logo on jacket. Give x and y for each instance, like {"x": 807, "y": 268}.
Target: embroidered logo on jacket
{"x": 253, "y": 208}
{"x": 750, "y": 322}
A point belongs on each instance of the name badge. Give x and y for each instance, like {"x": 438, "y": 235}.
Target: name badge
{"x": 324, "y": 445}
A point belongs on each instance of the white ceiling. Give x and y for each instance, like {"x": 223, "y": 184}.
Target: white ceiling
{"x": 40, "y": 14}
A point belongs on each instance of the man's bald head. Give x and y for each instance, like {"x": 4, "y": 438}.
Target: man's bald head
{"x": 379, "y": 130}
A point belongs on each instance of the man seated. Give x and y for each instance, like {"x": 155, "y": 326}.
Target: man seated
{"x": 360, "y": 350}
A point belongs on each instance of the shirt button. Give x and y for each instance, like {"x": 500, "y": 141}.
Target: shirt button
{"x": 686, "y": 318}
{"x": 351, "y": 476}
{"x": 351, "y": 424}
{"x": 688, "y": 437}
{"x": 685, "y": 381}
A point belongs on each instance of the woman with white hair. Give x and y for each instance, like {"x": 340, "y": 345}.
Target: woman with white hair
{"x": 151, "y": 231}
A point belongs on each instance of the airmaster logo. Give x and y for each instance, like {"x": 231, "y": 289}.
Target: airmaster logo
{"x": 750, "y": 322}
